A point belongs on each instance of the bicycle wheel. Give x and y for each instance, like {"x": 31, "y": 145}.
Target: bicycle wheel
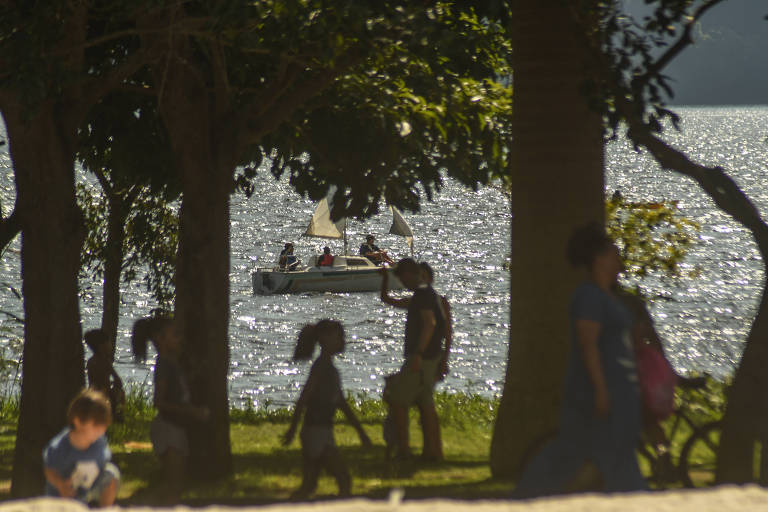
{"x": 699, "y": 455}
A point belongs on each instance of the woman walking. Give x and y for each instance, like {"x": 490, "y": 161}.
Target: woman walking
{"x": 600, "y": 418}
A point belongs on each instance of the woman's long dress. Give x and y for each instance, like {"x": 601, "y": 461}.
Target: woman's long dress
{"x": 609, "y": 443}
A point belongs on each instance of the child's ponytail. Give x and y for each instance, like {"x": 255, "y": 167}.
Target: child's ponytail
{"x": 310, "y": 335}
{"x": 144, "y": 330}
{"x": 305, "y": 346}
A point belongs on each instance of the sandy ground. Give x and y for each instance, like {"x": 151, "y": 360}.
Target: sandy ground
{"x": 722, "y": 499}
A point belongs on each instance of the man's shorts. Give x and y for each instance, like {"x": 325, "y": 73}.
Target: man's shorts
{"x": 407, "y": 387}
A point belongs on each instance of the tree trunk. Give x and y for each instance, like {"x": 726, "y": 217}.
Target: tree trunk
{"x": 113, "y": 267}
{"x": 745, "y": 424}
{"x": 52, "y": 236}
{"x": 202, "y": 304}
{"x": 557, "y": 185}
{"x": 202, "y": 273}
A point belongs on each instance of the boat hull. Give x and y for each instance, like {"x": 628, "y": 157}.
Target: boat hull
{"x": 271, "y": 281}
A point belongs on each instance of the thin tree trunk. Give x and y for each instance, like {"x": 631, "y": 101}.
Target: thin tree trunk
{"x": 557, "y": 185}
{"x": 52, "y": 236}
{"x": 745, "y": 423}
{"x": 113, "y": 266}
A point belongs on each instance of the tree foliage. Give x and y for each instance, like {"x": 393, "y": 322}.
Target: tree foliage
{"x": 653, "y": 236}
{"x": 380, "y": 99}
{"x": 125, "y": 147}
{"x": 429, "y": 103}
{"x": 150, "y": 243}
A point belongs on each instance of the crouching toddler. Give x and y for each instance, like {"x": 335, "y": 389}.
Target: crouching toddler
{"x": 76, "y": 461}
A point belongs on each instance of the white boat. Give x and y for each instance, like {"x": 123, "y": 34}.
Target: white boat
{"x": 347, "y": 274}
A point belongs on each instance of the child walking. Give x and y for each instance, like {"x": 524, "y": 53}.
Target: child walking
{"x": 172, "y": 400}
{"x": 101, "y": 372}
{"x": 76, "y": 462}
{"x": 320, "y": 398}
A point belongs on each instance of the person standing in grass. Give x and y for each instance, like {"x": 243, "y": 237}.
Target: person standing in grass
{"x": 425, "y": 329}
{"x": 172, "y": 400}
{"x": 318, "y": 401}
{"x": 433, "y": 445}
{"x": 76, "y": 462}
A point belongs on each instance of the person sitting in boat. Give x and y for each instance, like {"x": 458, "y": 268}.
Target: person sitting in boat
{"x": 325, "y": 259}
{"x": 288, "y": 260}
{"x": 373, "y": 253}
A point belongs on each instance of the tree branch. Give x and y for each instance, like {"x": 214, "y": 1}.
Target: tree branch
{"x": 682, "y": 43}
{"x": 257, "y": 122}
{"x": 96, "y": 88}
{"x": 287, "y": 72}
{"x": 713, "y": 180}
{"x": 188, "y": 26}
{"x": 9, "y": 228}
{"x": 106, "y": 186}
{"x": 137, "y": 89}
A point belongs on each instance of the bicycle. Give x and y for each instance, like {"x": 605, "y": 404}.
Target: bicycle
{"x": 696, "y": 460}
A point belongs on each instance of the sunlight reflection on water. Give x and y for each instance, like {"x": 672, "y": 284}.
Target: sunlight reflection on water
{"x": 465, "y": 236}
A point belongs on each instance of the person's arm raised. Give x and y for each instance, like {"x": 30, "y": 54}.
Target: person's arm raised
{"x": 386, "y": 298}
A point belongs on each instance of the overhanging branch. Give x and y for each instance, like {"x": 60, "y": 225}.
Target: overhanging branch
{"x": 9, "y": 228}
{"x": 682, "y": 43}
{"x": 254, "y": 127}
{"x": 713, "y": 180}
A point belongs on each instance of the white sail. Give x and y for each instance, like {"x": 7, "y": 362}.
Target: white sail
{"x": 400, "y": 227}
{"x": 321, "y": 226}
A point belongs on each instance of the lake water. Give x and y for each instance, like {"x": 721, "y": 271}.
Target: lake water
{"x": 465, "y": 236}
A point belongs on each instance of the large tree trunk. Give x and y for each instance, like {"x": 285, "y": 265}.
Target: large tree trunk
{"x": 52, "y": 236}
{"x": 557, "y": 185}
{"x": 202, "y": 304}
{"x": 202, "y": 274}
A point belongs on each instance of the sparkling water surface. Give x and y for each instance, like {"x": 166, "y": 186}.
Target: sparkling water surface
{"x": 465, "y": 236}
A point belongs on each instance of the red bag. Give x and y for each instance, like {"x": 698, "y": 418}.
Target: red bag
{"x": 657, "y": 381}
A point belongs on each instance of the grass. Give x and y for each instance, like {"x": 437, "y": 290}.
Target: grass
{"x": 265, "y": 471}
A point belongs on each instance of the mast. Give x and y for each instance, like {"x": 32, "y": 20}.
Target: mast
{"x": 346, "y": 252}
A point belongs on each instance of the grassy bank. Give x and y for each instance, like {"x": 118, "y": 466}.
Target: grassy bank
{"x": 265, "y": 471}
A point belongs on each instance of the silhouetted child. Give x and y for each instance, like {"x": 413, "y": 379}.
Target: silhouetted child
{"x": 388, "y": 428}
{"x": 101, "y": 372}
{"x": 76, "y": 461}
{"x": 320, "y": 398}
{"x": 172, "y": 400}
